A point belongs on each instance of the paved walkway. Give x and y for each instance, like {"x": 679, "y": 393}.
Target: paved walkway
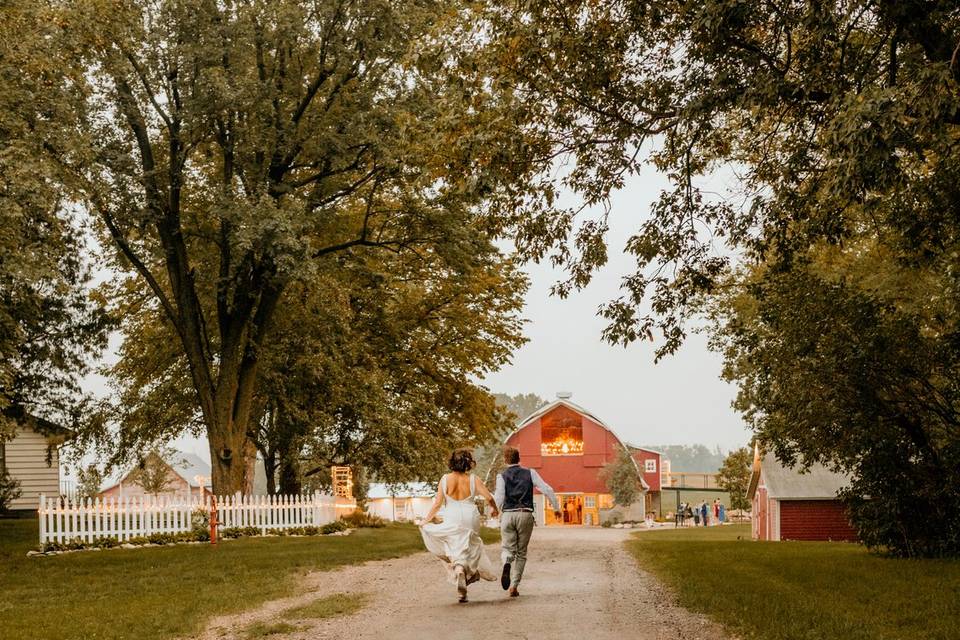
{"x": 580, "y": 584}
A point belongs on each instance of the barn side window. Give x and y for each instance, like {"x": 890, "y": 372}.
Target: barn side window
{"x": 562, "y": 437}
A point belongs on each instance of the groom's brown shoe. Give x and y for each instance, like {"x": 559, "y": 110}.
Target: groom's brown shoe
{"x": 513, "y": 592}
{"x": 505, "y": 576}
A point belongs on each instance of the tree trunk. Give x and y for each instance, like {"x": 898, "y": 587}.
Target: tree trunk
{"x": 270, "y": 469}
{"x": 290, "y": 483}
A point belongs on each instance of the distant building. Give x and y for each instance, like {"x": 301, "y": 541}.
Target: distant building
{"x": 187, "y": 475}
{"x": 400, "y": 502}
{"x": 32, "y": 457}
{"x": 569, "y": 446}
{"x": 792, "y": 505}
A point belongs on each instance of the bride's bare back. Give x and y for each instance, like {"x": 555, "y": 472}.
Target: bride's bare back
{"x": 458, "y": 485}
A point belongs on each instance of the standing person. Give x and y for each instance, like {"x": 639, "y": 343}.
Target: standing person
{"x": 696, "y": 515}
{"x": 723, "y": 513}
{"x": 703, "y": 512}
{"x": 716, "y": 511}
{"x": 455, "y": 540}
{"x": 514, "y": 497}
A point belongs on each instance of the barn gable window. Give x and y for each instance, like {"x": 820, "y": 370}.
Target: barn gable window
{"x": 561, "y": 435}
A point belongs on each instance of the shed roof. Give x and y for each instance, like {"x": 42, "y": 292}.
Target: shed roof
{"x": 783, "y": 483}
{"x": 379, "y": 490}
{"x": 186, "y": 465}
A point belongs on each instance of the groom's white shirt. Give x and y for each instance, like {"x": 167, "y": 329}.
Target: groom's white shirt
{"x": 499, "y": 492}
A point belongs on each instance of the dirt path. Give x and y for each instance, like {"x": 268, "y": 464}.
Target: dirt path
{"x": 579, "y": 583}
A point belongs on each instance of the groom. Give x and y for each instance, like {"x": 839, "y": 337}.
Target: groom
{"x": 514, "y": 498}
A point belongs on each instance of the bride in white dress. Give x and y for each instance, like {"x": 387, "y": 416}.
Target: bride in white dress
{"x": 455, "y": 539}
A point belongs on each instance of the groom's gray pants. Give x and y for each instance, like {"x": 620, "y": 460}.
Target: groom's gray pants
{"x": 515, "y": 530}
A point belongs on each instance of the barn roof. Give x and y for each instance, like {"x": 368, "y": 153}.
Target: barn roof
{"x": 547, "y": 408}
{"x": 566, "y": 402}
{"x": 783, "y": 483}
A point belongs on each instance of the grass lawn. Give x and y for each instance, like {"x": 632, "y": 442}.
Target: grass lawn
{"x": 163, "y": 592}
{"x": 341, "y": 604}
{"x": 803, "y": 590}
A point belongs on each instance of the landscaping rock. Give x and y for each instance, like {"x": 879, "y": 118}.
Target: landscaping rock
{"x": 127, "y": 545}
{"x": 31, "y": 554}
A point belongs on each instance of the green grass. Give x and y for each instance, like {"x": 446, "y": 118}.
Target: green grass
{"x": 164, "y": 592}
{"x": 803, "y": 590}
{"x": 341, "y": 604}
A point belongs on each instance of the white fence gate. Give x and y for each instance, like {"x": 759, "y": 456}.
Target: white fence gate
{"x": 62, "y": 520}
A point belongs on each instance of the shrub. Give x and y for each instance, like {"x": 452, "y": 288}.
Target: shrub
{"x": 9, "y": 490}
{"x": 360, "y": 519}
{"x": 334, "y": 527}
{"x": 200, "y": 521}
{"x": 239, "y": 532}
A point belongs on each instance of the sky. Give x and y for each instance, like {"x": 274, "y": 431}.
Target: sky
{"x": 680, "y": 400}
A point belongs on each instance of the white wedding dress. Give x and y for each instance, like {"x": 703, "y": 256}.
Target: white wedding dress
{"x": 456, "y": 540}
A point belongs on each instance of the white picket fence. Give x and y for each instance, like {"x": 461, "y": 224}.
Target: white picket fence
{"x": 129, "y": 517}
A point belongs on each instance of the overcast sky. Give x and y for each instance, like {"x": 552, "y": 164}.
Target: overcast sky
{"x": 680, "y": 400}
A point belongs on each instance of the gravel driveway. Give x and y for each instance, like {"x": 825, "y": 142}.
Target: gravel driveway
{"x": 579, "y": 583}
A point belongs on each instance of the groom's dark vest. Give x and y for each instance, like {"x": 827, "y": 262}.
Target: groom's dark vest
{"x": 518, "y": 488}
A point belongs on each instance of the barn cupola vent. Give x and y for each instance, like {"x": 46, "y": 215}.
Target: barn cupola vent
{"x": 564, "y": 395}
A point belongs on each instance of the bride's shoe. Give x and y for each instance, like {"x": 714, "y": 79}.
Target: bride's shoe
{"x": 461, "y": 583}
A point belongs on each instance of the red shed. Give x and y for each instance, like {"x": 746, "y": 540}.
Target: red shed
{"x": 792, "y": 505}
{"x": 568, "y": 446}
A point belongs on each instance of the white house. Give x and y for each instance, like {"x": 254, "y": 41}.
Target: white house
{"x": 187, "y": 475}
{"x": 32, "y": 457}
{"x": 400, "y": 502}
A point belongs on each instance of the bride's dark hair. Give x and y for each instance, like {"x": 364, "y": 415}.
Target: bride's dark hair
{"x": 461, "y": 461}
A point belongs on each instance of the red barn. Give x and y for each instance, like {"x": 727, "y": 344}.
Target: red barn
{"x": 792, "y": 505}
{"x": 568, "y": 446}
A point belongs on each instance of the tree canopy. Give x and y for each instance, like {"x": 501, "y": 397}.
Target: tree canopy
{"x": 229, "y": 151}
{"x": 839, "y": 122}
{"x": 734, "y": 477}
{"x": 50, "y": 324}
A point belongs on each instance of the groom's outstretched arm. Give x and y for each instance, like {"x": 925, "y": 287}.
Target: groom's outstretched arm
{"x": 499, "y": 492}
{"x": 545, "y": 489}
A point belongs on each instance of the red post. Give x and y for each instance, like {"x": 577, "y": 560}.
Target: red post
{"x": 213, "y": 520}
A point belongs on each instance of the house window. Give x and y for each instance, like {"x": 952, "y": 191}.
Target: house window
{"x": 650, "y": 466}
{"x": 590, "y": 502}
{"x": 562, "y": 436}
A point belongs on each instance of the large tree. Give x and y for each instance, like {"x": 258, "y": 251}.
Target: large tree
{"x": 837, "y": 124}
{"x": 51, "y": 326}
{"x": 230, "y": 149}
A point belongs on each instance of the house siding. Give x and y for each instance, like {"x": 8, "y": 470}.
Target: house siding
{"x": 815, "y": 520}
{"x": 26, "y": 461}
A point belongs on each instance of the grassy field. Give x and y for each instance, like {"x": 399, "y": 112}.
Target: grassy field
{"x": 803, "y": 590}
{"x": 163, "y": 592}
{"x": 340, "y": 604}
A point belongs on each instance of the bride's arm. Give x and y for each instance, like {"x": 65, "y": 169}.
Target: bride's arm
{"x": 437, "y": 501}
{"x": 483, "y": 491}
